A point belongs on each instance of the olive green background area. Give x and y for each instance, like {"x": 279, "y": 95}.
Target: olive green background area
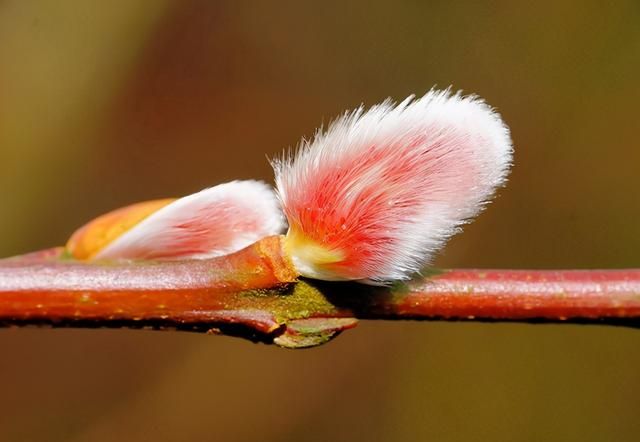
{"x": 107, "y": 103}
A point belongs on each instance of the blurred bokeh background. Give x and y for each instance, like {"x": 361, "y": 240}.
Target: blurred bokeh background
{"x": 107, "y": 103}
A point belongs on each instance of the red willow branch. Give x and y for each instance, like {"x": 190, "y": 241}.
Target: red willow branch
{"x": 254, "y": 293}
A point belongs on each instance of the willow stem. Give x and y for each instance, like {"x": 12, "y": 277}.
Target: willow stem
{"x": 517, "y": 295}
{"x": 35, "y": 289}
{"x": 257, "y": 288}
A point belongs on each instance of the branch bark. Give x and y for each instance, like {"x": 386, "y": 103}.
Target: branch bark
{"x": 255, "y": 294}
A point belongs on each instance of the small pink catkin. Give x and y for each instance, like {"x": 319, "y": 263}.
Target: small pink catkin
{"x": 213, "y": 222}
{"x": 374, "y": 196}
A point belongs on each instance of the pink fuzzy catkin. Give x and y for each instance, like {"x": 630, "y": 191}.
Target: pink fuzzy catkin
{"x": 213, "y": 222}
{"x": 374, "y": 196}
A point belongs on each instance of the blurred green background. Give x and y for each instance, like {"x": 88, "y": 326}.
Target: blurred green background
{"x": 107, "y": 103}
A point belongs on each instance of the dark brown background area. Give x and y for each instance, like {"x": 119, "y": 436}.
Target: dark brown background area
{"x": 107, "y": 103}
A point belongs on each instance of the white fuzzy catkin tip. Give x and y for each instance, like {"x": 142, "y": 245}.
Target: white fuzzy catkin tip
{"x": 375, "y": 195}
{"x": 214, "y": 222}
